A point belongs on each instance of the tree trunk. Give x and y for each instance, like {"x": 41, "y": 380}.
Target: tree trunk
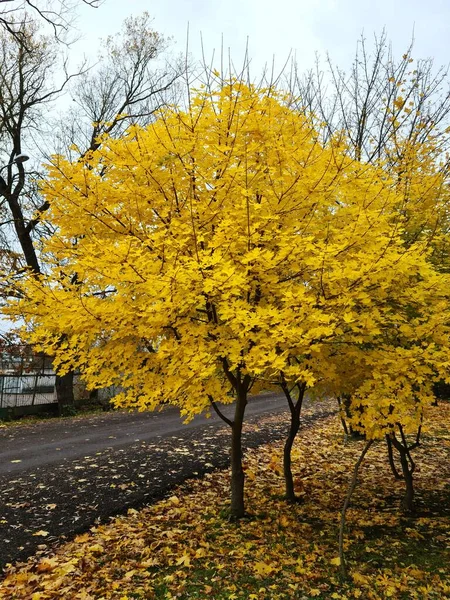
{"x": 408, "y": 498}
{"x": 408, "y": 467}
{"x": 295, "y": 408}
{"x": 391, "y": 459}
{"x": 64, "y": 393}
{"x": 287, "y": 459}
{"x": 351, "y": 489}
{"x": 341, "y": 415}
{"x": 237, "y": 510}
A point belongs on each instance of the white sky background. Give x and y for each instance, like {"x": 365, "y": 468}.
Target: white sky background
{"x": 277, "y": 27}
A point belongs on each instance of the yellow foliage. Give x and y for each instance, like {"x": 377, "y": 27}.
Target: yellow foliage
{"x": 224, "y": 244}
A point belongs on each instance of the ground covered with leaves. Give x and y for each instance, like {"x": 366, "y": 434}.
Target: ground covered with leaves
{"x": 185, "y": 547}
{"x": 41, "y": 506}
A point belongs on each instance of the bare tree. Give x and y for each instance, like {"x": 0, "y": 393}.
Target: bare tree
{"x": 132, "y": 80}
{"x": 381, "y": 99}
{"x": 29, "y": 84}
{"x": 385, "y": 106}
{"x": 57, "y": 14}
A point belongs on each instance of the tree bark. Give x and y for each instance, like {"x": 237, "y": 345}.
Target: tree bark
{"x": 408, "y": 498}
{"x": 408, "y": 468}
{"x": 295, "y": 409}
{"x": 64, "y": 392}
{"x": 391, "y": 459}
{"x": 237, "y": 510}
{"x": 287, "y": 459}
{"x": 24, "y": 236}
{"x": 350, "y": 490}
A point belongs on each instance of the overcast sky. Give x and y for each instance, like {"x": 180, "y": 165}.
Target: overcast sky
{"x": 278, "y": 27}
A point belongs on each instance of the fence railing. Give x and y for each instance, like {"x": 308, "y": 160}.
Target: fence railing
{"x": 30, "y": 389}
{"x": 26, "y": 377}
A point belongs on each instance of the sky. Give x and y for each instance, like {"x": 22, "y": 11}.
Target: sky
{"x": 278, "y": 28}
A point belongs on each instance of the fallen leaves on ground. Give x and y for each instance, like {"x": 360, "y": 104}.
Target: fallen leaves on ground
{"x": 126, "y": 476}
{"x": 185, "y": 547}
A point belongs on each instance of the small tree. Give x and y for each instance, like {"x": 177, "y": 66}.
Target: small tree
{"x": 393, "y": 111}
{"x": 220, "y": 248}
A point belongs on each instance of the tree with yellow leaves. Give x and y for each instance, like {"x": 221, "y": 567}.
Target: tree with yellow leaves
{"x": 222, "y": 248}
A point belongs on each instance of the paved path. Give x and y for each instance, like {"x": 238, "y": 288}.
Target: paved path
{"x": 51, "y": 442}
{"x": 58, "y": 478}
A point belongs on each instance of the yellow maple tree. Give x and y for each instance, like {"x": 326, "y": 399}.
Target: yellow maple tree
{"x": 221, "y": 249}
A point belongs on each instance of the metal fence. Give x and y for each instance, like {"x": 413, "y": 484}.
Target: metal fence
{"x": 26, "y": 378}
{"x": 26, "y": 390}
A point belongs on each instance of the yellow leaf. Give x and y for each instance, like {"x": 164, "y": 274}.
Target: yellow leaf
{"x": 46, "y": 565}
{"x": 263, "y": 569}
{"x": 284, "y": 521}
{"x": 41, "y": 532}
{"x": 129, "y": 574}
{"x": 358, "y": 577}
{"x": 200, "y": 553}
{"x": 184, "y": 560}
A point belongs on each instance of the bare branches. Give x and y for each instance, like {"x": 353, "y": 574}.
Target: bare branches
{"x": 379, "y": 101}
{"x": 27, "y": 65}
{"x": 131, "y": 82}
{"x": 56, "y": 14}
{"x": 126, "y": 88}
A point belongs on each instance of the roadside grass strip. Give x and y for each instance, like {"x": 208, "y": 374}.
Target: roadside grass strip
{"x": 185, "y": 547}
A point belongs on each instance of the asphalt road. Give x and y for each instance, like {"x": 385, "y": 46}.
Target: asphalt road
{"x": 60, "y": 477}
{"x": 51, "y": 442}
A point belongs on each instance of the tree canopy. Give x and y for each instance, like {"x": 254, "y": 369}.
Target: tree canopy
{"x": 220, "y": 242}
{"x": 224, "y": 248}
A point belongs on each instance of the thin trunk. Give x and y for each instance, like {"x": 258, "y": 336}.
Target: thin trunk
{"x": 341, "y": 414}
{"x": 237, "y": 510}
{"x": 391, "y": 458}
{"x": 287, "y": 459}
{"x": 408, "y": 468}
{"x": 408, "y": 498}
{"x": 295, "y": 409}
{"x": 64, "y": 393}
{"x": 351, "y": 489}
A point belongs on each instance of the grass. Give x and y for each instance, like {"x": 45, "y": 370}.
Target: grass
{"x": 184, "y": 547}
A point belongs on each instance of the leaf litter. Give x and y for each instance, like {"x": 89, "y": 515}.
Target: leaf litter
{"x": 185, "y": 547}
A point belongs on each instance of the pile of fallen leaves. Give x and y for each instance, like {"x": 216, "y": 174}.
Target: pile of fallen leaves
{"x": 185, "y": 547}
